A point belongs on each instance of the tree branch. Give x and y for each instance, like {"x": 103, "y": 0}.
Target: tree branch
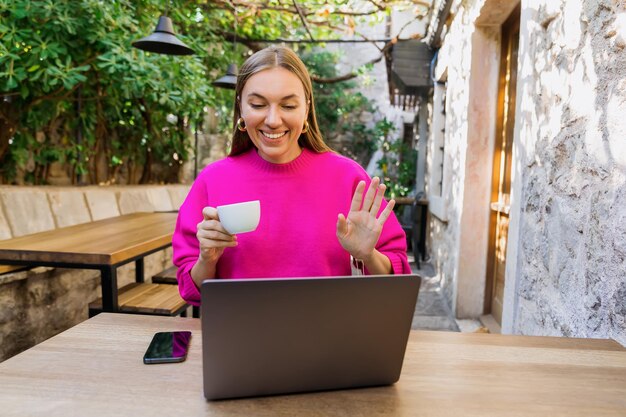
{"x": 53, "y": 95}
{"x": 345, "y": 77}
{"x": 265, "y": 6}
{"x": 255, "y": 45}
{"x": 383, "y": 52}
{"x": 378, "y": 6}
{"x": 303, "y": 20}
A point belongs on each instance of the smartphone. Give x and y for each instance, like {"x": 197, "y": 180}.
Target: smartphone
{"x": 167, "y": 347}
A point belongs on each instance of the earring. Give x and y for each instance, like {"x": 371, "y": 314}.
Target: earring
{"x": 305, "y": 128}
{"x": 241, "y": 124}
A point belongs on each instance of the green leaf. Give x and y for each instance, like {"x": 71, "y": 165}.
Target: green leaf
{"x": 20, "y": 74}
{"x": 11, "y": 83}
{"x": 37, "y": 75}
{"x": 24, "y": 91}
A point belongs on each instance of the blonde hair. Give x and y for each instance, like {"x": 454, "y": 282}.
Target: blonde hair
{"x": 273, "y": 57}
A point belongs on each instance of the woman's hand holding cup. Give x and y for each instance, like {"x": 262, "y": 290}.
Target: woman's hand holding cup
{"x": 212, "y": 236}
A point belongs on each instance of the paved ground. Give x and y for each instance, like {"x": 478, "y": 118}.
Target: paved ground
{"x": 432, "y": 311}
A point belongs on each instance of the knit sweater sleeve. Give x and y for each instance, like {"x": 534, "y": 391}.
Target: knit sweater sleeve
{"x": 392, "y": 240}
{"x": 392, "y": 244}
{"x": 185, "y": 243}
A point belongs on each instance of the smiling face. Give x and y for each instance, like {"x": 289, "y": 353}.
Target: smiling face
{"x": 274, "y": 107}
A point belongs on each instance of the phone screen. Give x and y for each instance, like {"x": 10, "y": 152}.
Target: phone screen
{"x": 167, "y": 347}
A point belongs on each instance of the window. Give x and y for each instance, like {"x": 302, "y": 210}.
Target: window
{"x": 437, "y": 183}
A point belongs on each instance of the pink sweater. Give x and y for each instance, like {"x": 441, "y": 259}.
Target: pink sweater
{"x": 296, "y": 236}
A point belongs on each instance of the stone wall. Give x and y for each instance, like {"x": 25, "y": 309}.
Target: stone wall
{"x": 38, "y": 303}
{"x": 454, "y": 58}
{"x": 568, "y": 274}
{"x": 566, "y": 255}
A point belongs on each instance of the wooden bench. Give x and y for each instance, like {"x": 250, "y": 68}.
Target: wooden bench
{"x": 146, "y": 298}
{"x": 168, "y": 276}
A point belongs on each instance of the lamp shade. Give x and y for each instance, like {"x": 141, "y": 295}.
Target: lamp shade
{"x": 229, "y": 80}
{"x": 163, "y": 40}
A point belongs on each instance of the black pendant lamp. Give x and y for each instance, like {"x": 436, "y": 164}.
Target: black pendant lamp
{"x": 229, "y": 80}
{"x": 163, "y": 40}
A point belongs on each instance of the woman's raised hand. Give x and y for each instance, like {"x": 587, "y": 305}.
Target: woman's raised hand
{"x": 213, "y": 238}
{"x": 359, "y": 232}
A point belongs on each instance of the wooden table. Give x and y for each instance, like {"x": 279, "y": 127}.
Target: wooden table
{"x": 103, "y": 245}
{"x": 96, "y": 369}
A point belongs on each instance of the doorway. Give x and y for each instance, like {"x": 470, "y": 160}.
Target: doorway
{"x": 499, "y": 206}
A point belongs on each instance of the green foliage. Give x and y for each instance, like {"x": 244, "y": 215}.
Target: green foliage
{"x": 68, "y": 71}
{"x": 398, "y": 163}
{"x": 58, "y": 55}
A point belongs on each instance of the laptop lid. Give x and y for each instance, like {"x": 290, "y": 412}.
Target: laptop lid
{"x": 277, "y": 336}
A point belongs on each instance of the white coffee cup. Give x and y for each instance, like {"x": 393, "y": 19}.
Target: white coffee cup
{"x": 240, "y": 217}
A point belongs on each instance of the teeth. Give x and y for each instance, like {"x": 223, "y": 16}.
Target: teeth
{"x": 273, "y": 136}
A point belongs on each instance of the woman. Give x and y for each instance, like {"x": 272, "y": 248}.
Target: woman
{"x": 279, "y": 157}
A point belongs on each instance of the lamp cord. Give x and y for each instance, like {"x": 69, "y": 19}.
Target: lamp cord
{"x": 235, "y": 40}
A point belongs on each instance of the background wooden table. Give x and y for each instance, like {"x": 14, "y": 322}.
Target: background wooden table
{"x": 96, "y": 369}
{"x": 103, "y": 245}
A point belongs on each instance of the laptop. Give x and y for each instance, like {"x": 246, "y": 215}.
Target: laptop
{"x": 287, "y": 335}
